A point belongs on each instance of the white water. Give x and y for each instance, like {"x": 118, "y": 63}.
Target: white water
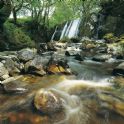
{"x": 75, "y": 112}
{"x": 53, "y": 36}
{"x": 74, "y": 29}
{"x": 64, "y": 30}
{"x": 71, "y": 30}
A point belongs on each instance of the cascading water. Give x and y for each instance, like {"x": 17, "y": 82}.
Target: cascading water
{"x": 52, "y": 38}
{"x": 64, "y": 30}
{"x": 73, "y": 32}
{"x": 75, "y": 113}
{"x": 70, "y": 30}
{"x": 74, "y": 108}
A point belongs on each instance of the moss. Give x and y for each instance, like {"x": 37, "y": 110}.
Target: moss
{"x": 110, "y": 38}
{"x": 65, "y": 40}
{"x": 16, "y": 37}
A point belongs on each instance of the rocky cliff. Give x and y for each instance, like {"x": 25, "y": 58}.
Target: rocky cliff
{"x": 111, "y": 18}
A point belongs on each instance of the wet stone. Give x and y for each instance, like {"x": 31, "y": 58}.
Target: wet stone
{"x": 47, "y": 102}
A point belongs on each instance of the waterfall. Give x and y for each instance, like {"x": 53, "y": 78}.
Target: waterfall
{"x": 64, "y": 31}
{"x": 53, "y": 36}
{"x": 71, "y": 30}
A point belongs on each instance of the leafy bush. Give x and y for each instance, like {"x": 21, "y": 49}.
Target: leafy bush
{"x": 16, "y": 37}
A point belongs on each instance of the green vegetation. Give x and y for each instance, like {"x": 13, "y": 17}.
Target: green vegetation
{"x": 16, "y": 37}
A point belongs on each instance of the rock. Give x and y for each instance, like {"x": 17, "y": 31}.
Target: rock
{"x": 119, "y": 70}
{"x": 37, "y": 65}
{"x": 110, "y": 38}
{"x": 11, "y": 85}
{"x": 42, "y": 48}
{"x": 47, "y": 102}
{"x": 58, "y": 65}
{"x": 3, "y": 72}
{"x": 51, "y": 46}
{"x": 101, "y": 57}
{"x": 79, "y": 57}
{"x": 118, "y": 81}
{"x": 60, "y": 45}
{"x": 112, "y": 102}
{"x": 110, "y": 18}
{"x": 47, "y": 54}
{"x": 73, "y": 49}
{"x": 71, "y": 53}
{"x": 56, "y": 69}
{"x": 26, "y": 54}
{"x": 12, "y": 66}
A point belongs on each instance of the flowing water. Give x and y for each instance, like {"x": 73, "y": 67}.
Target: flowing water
{"x": 79, "y": 94}
{"x": 70, "y": 30}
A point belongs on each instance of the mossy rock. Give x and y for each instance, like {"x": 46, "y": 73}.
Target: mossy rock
{"x": 65, "y": 40}
{"x": 110, "y": 38}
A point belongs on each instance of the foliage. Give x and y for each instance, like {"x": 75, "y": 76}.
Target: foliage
{"x": 65, "y": 40}
{"x": 16, "y": 37}
{"x": 52, "y": 12}
{"x": 5, "y": 10}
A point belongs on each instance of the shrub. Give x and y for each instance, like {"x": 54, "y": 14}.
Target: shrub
{"x": 65, "y": 40}
{"x": 16, "y": 37}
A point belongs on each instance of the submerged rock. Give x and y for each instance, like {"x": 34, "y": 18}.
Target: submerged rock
{"x": 101, "y": 57}
{"x": 112, "y": 102}
{"x": 119, "y": 70}
{"x": 47, "y": 102}
{"x": 11, "y": 85}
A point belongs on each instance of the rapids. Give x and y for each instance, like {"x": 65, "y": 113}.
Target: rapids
{"x": 79, "y": 94}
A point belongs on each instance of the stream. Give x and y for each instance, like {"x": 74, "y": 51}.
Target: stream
{"x": 79, "y": 93}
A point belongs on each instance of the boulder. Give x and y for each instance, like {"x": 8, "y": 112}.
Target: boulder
{"x": 73, "y": 49}
{"x": 11, "y": 85}
{"x": 3, "y": 72}
{"x": 110, "y": 38}
{"x": 101, "y": 57}
{"x": 51, "y": 46}
{"x": 72, "y": 53}
{"x": 58, "y": 64}
{"x": 119, "y": 70}
{"x": 26, "y": 54}
{"x": 37, "y": 65}
{"x": 47, "y": 102}
{"x": 42, "y": 48}
{"x": 12, "y": 66}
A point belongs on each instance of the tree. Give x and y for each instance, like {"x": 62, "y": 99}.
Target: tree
{"x": 5, "y": 10}
{"x": 16, "y": 7}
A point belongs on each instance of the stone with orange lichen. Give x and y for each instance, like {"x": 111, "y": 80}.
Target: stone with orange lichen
{"x": 57, "y": 69}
